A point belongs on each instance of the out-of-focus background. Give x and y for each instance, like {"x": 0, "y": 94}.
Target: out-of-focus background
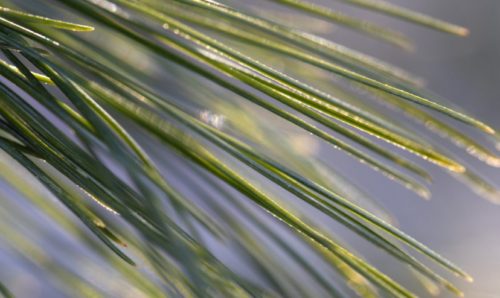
{"x": 456, "y": 222}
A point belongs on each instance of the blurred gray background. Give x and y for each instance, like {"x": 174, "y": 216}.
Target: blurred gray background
{"x": 456, "y": 222}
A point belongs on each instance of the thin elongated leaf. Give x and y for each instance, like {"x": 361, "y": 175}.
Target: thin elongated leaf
{"x": 332, "y": 196}
{"x": 67, "y": 201}
{"x": 282, "y": 95}
{"x": 39, "y": 20}
{"x": 419, "y": 189}
{"x": 306, "y": 92}
{"x": 40, "y": 77}
{"x": 271, "y": 206}
{"x": 308, "y": 41}
{"x": 5, "y": 292}
{"x": 353, "y": 60}
{"x": 350, "y": 22}
{"x": 472, "y": 147}
{"x": 409, "y": 15}
{"x": 374, "y": 83}
{"x": 90, "y": 120}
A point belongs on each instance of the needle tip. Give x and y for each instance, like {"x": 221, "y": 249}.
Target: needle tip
{"x": 463, "y": 32}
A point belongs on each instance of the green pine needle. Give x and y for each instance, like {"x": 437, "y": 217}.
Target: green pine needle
{"x": 125, "y": 127}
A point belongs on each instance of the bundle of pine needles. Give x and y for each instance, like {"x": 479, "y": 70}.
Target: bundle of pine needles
{"x": 159, "y": 138}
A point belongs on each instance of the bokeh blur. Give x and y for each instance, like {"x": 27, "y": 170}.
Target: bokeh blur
{"x": 456, "y": 222}
{"x": 467, "y": 72}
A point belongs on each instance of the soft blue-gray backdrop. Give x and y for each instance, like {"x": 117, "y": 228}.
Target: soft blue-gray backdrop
{"x": 456, "y": 222}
